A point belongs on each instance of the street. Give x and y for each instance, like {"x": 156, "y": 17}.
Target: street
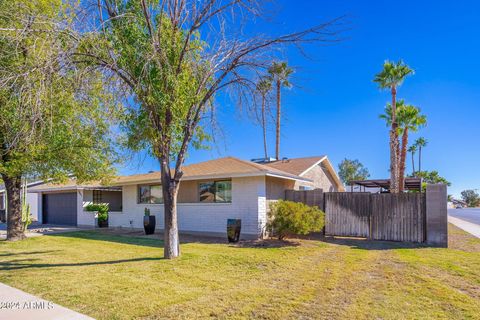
{"x": 468, "y": 214}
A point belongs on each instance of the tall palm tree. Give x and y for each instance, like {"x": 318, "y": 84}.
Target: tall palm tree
{"x": 279, "y": 72}
{"x": 420, "y": 143}
{"x": 409, "y": 120}
{"x": 264, "y": 86}
{"x": 413, "y": 149}
{"x": 392, "y": 76}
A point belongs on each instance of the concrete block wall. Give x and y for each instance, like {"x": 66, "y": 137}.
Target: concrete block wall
{"x": 436, "y": 215}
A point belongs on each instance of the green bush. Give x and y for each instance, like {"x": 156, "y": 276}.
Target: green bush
{"x": 101, "y": 208}
{"x": 287, "y": 217}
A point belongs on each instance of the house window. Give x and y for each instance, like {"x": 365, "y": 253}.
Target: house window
{"x": 305, "y": 188}
{"x": 2, "y": 202}
{"x": 150, "y": 194}
{"x": 215, "y": 191}
{"x": 97, "y": 196}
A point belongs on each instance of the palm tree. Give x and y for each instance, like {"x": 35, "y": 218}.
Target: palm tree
{"x": 264, "y": 86}
{"x": 409, "y": 119}
{"x": 412, "y": 149}
{"x": 279, "y": 72}
{"x": 420, "y": 143}
{"x": 392, "y": 76}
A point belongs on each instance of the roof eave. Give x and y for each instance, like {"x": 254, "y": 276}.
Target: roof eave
{"x": 216, "y": 176}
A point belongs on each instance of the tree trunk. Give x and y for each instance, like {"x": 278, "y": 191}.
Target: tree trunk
{"x": 419, "y": 159}
{"x": 413, "y": 164}
{"x": 13, "y": 186}
{"x": 170, "y": 187}
{"x": 394, "y": 147}
{"x": 277, "y": 145}
{"x": 403, "y": 160}
{"x": 264, "y": 127}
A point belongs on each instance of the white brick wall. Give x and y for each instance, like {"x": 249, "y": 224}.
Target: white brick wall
{"x": 248, "y": 204}
{"x": 87, "y": 218}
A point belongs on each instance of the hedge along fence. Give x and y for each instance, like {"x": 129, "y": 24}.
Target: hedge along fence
{"x": 294, "y": 218}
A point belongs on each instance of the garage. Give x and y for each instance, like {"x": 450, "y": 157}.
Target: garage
{"x": 60, "y": 208}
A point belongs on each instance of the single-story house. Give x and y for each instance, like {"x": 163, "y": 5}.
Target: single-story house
{"x": 64, "y": 204}
{"x": 210, "y": 193}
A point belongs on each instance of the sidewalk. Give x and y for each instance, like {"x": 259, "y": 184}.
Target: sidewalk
{"x": 472, "y": 228}
{"x": 19, "y": 305}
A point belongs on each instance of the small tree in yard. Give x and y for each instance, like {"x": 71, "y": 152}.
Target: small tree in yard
{"x": 52, "y": 119}
{"x": 290, "y": 218}
{"x": 174, "y": 58}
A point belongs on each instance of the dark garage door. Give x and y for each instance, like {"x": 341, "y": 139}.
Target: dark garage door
{"x": 60, "y": 208}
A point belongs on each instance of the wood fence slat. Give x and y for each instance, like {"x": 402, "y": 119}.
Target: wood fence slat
{"x": 397, "y": 217}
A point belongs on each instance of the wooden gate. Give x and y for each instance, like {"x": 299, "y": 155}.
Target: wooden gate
{"x": 398, "y": 217}
{"x": 347, "y": 214}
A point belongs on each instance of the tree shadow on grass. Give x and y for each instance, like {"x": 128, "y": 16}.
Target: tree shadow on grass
{"x": 115, "y": 238}
{"x": 20, "y": 264}
{"x": 10, "y": 254}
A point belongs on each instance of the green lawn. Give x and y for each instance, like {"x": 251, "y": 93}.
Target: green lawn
{"x": 123, "y": 277}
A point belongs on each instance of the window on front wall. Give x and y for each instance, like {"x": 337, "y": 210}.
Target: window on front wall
{"x": 150, "y": 194}
{"x": 215, "y": 191}
{"x": 97, "y": 196}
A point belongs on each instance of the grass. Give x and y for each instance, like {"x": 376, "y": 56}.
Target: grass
{"x": 122, "y": 277}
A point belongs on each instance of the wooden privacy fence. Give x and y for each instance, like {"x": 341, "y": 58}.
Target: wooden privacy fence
{"x": 385, "y": 216}
{"x": 308, "y": 197}
{"x": 347, "y": 214}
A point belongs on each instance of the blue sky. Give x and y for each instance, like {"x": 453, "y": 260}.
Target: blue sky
{"x": 335, "y": 106}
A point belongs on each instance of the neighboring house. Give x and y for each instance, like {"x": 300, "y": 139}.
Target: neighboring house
{"x": 455, "y": 203}
{"x": 210, "y": 193}
{"x": 32, "y": 200}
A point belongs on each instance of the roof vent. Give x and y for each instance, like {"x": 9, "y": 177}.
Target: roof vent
{"x": 263, "y": 160}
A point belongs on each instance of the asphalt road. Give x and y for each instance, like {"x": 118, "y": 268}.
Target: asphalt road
{"x": 467, "y": 214}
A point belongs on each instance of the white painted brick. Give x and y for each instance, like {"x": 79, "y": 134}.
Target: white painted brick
{"x": 248, "y": 204}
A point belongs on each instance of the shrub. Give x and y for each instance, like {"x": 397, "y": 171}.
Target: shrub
{"x": 101, "y": 208}
{"x": 287, "y": 217}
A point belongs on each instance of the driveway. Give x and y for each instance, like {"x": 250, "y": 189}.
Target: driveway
{"x": 36, "y": 229}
